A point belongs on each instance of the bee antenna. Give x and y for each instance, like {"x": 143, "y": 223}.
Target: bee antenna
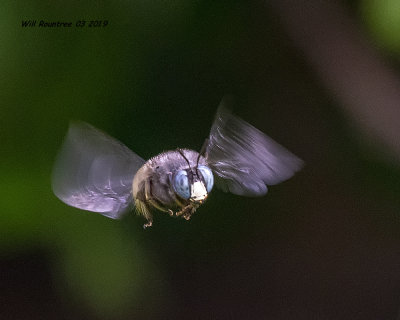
{"x": 202, "y": 151}
{"x": 184, "y": 157}
{"x": 197, "y": 162}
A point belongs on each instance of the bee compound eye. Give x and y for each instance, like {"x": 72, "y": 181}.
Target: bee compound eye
{"x": 207, "y": 176}
{"x": 180, "y": 183}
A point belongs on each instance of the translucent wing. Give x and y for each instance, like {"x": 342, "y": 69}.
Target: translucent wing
{"x": 244, "y": 159}
{"x": 94, "y": 171}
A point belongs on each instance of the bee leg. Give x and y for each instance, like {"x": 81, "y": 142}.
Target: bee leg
{"x": 143, "y": 210}
{"x": 182, "y": 212}
{"x": 171, "y": 213}
{"x": 187, "y": 216}
{"x": 187, "y": 211}
{"x": 148, "y": 224}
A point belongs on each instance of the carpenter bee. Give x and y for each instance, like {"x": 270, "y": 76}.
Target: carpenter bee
{"x": 97, "y": 173}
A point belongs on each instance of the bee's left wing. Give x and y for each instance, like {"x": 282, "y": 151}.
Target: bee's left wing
{"x": 94, "y": 171}
{"x": 245, "y": 160}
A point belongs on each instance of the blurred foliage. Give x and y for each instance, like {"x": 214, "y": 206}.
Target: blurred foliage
{"x": 382, "y": 18}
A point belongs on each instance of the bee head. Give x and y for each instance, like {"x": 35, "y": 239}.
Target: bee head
{"x": 193, "y": 184}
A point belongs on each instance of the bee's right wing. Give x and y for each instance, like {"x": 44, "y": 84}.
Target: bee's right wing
{"x": 244, "y": 159}
{"x": 94, "y": 171}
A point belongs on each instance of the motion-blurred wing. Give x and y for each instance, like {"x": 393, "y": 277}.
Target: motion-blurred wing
{"x": 244, "y": 159}
{"x": 94, "y": 171}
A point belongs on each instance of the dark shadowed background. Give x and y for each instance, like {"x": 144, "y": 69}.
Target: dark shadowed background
{"x": 323, "y": 245}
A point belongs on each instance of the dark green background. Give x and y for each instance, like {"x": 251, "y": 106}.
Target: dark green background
{"x": 323, "y": 245}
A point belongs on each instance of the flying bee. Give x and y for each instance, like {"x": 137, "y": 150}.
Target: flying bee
{"x": 97, "y": 173}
